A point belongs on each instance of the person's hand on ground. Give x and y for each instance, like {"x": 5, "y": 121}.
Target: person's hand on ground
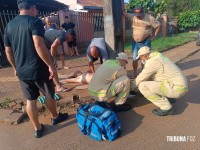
{"x": 89, "y": 71}
{"x": 15, "y": 72}
{"x": 62, "y": 89}
{"x": 52, "y": 71}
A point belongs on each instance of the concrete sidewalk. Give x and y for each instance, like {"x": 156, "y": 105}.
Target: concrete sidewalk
{"x": 11, "y": 91}
{"x": 181, "y": 52}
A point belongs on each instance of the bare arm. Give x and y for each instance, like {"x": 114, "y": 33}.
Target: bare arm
{"x": 157, "y": 30}
{"x": 10, "y": 58}
{"x": 43, "y": 53}
{"x": 125, "y": 14}
{"x": 73, "y": 80}
{"x": 156, "y": 33}
{"x": 54, "y": 47}
{"x": 91, "y": 66}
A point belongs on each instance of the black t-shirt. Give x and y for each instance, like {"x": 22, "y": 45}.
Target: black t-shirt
{"x": 52, "y": 34}
{"x": 18, "y": 36}
{"x": 69, "y": 25}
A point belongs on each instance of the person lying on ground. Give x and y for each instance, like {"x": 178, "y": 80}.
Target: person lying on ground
{"x": 79, "y": 77}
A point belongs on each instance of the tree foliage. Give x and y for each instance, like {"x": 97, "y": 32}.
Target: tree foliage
{"x": 189, "y": 20}
{"x": 158, "y": 8}
{"x": 175, "y": 7}
{"x": 171, "y": 7}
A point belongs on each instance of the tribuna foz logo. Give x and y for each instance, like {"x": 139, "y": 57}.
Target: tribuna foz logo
{"x": 180, "y": 138}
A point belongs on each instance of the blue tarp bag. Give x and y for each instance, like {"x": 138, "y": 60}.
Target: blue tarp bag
{"x": 98, "y": 122}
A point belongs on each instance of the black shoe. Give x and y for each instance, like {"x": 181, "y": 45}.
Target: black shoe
{"x": 39, "y": 133}
{"x": 172, "y": 100}
{"x": 133, "y": 93}
{"x": 103, "y": 104}
{"x": 61, "y": 117}
{"x": 123, "y": 107}
{"x": 160, "y": 112}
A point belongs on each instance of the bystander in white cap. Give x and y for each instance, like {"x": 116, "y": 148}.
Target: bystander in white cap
{"x": 143, "y": 50}
{"x": 122, "y": 56}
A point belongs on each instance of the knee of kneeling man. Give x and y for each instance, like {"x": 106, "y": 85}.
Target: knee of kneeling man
{"x": 125, "y": 79}
{"x": 181, "y": 94}
{"x": 141, "y": 86}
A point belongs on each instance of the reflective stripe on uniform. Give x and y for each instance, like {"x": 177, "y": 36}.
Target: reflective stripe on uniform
{"x": 153, "y": 98}
{"x": 122, "y": 95}
{"x": 163, "y": 88}
{"x": 154, "y": 54}
{"x": 180, "y": 88}
{"x": 101, "y": 93}
{"x": 112, "y": 89}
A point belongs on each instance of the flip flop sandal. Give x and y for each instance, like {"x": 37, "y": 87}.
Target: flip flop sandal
{"x": 42, "y": 99}
{"x": 66, "y": 89}
{"x": 56, "y": 97}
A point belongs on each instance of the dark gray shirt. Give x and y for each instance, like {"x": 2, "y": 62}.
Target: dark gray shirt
{"x": 100, "y": 43}
{"x": 52, "y": 34}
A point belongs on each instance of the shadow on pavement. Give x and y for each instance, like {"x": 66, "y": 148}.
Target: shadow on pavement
{"x": 180, "y": 105}
{"x": 51, "y": 129}
{"x": 130, "y": 121}
{"x": 189, "y": 64}
{"x": 191, "y": 97}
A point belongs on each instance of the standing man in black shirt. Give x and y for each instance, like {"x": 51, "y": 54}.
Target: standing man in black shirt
{"x": 30, "y": 59}
{"x": 71, "y": 45}
{"x": 67, "y": 24}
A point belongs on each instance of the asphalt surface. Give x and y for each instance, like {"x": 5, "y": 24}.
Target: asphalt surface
{"x": 141, "y": 129}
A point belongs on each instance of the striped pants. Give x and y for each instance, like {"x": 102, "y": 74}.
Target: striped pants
{"x": 120, "y": 89}
{"x": 157, "y": 92}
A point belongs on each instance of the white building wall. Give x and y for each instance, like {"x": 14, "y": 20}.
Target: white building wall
{"x": 72, "y": 4}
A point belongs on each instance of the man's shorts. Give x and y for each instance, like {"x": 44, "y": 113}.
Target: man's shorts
{"x": 137, "y": 45}
{"x": 32, "y": 88}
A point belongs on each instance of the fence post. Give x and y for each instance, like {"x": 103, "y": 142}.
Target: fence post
{"x": 123, "y": 22}
{"x": 164, "y": 25}
{"x": 113, "y": 27}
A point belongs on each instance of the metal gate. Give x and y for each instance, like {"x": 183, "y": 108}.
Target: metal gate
{"x": 88, "y": 26}
{"x": 6, "y": 16}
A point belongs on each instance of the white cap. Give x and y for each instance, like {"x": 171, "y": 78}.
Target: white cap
{"x": 122, "y": 56}
{"x": 143, "y": 50}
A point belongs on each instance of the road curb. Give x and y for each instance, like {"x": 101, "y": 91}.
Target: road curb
{"x": 190, "y": 54}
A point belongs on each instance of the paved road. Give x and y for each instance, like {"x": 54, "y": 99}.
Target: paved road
{"x": 141, "y": 129}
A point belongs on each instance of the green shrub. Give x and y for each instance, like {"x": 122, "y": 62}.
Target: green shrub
{"x": 189, "y": 20}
